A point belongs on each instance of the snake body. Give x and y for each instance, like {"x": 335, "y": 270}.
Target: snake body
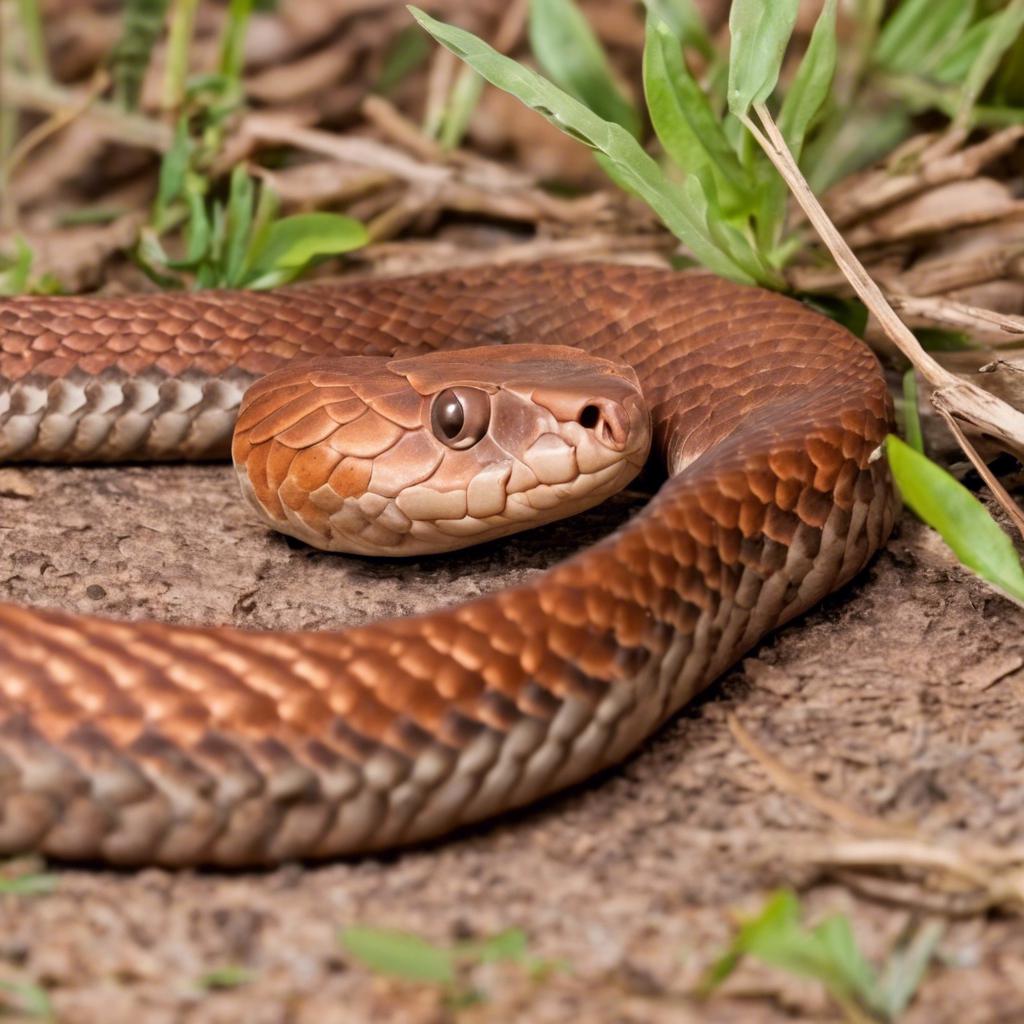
{"x": 141, "y": 742}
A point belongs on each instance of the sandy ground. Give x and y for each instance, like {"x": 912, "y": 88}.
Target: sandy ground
{"x": 900, "y": 698}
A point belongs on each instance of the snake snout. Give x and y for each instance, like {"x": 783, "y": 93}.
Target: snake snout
{"x": 608, "y": 420}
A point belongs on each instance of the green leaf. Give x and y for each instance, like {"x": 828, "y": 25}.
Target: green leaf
{"x": 863, "y": 136}
{"x": 267, "y": 206}
{"x": 400, "y": 954}
{"x": 173, "y": 170}
{"x": 220, "y": 978}
{"x": 963, "y": 522}
{"x": 686, "y": 23}
{"x": 142, "y": 22}
{"x": 510, "y": 944}
{"x": 290, "y": 243}
{"x": 15, "y": 272}
{"x": 827, "y": 953}
{"x": 572, "y": 55}
{"x": 905, "y": 969}
{"x": 1002, "y": 36}
{"x": 957, "y": 62}
{"x": 843, "y": 960}
{"x": 407, "y": 52}
{"x": 28, "y": 885}
{"x": 232, "y": 45}
{"x": 90, "y": 215}
{"x": 633, "y": 167}
{"x": 851, "y": 313}
{"x": 760, "y": 32}
{"x": 938, "y": 339}
{"x": 810, "y": 88}
{"x": 920, "y": 33}
{"x": 911, "y": 416}
{"x": 458, "y": 112}
{"x": 33, "y": 1000}
{"x": 197, "y": 230}
{"x": 686, "y": 126}
{"x": 241, "y": 194}
{"x": 153, "y": 261}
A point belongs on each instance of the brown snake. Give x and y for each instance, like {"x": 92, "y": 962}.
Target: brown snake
{"x": 139, "y": 742}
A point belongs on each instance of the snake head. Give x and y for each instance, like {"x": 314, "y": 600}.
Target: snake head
{"x": 429, "y": 453}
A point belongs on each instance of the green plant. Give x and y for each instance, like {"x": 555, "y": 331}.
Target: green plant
{"x": 141, "y": 24}
{"x": 239, "y": 242}
{"x": 405, "y": 955}
{"x": 236, "y": 241}
{"x": 713, "y": 187}
{"x": 962, "y": 521}
{"x": 28, "y": 885}
{"x": 16, "y": 273}
{"x": 223, "y": 978}
{"x": 828, "y": 953}
{"x": 28, "y": 999}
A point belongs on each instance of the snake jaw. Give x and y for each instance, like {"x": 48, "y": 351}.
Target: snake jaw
{"x": 348, "y": 457}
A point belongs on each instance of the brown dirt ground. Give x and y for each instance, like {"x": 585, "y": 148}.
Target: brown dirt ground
{"x": 901, "y": 697}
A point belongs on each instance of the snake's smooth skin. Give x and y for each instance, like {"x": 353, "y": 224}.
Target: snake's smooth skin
{"x": 140, "y": 742}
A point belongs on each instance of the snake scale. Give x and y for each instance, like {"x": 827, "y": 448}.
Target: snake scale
{"x": 147, "y": 743}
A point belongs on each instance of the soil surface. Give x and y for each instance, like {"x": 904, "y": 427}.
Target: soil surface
{"x": 899, "y": 698}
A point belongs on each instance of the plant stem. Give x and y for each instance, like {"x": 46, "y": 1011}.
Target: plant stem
{"x": 35, "y": 41}
{"x": 232, "y": 47}
{"x": 183, "y": 19}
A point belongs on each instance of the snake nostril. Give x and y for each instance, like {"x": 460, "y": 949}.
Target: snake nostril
{"x": 607, "y": 420}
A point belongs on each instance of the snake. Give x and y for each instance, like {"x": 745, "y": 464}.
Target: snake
{"x": 377, "y": 415}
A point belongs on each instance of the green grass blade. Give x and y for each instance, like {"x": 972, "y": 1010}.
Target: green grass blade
{"x": 197, "y": 229}
{"x": 911, "y": 416}
{"x": 810, "y": 88}
{"x": 510, "y": 944}
{"x": 567, "y": 49}
{"x": 33, "y": 1000}
{"x": 462, "y": 101}
{"x": 686, "y": 126}
{"x": 955, "y": 65}
{"x": 920, "y": 33}
{"x": 905, "y": 969}
{"x": 1004, "y": 33}
{"x": 31, "y": 21}
{"x": 827, "y": 953}
{"x": 409, "y": 49}
{"x": 221, "y": 979}
{"x": 141, "y": 24}
{"x": 179, "y": 43}
{"x": 400, "y": 954}
{"x": 292, "y": 242}
{"x": 29, "y": 885}
{"x": 232, "y": 46}
{"x": 633, "y": 167}
{"x": 760, "y": 32}
{"x": 241, "y": 196}
{"x": 173, "y": 170}
{"x": 686, "y": 22}
{"x": 962, "y": 521}
{"x": 15, "y": 271}
{"x": 850, "y": 973}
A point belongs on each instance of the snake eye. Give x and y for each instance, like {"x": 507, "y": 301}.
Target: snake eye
{"x": 460, "y": 416}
